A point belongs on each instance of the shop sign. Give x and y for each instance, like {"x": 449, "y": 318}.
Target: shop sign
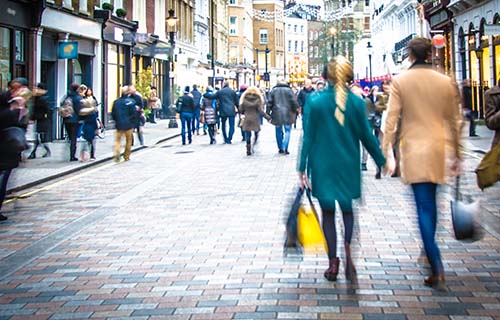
{"x": 67, "y": 50}
{"x": 492, "y": 29}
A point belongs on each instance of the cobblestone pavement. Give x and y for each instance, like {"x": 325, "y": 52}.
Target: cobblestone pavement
{"x": 196, "y": 232}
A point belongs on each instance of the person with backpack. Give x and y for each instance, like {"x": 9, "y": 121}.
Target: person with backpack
{"x": 186, "y": 109}
{"x": 196, "y": 94}
{"x": 70, "y": 107}
{"x": 209, "y": 108}
{"x": 124, "y": 113}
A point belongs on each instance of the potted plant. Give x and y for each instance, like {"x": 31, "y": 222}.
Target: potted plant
{"x": 121, "y": 13}
{"x": 107, "y": 6}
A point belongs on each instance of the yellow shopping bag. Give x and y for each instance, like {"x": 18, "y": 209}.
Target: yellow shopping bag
{"x": 310, "y": 233}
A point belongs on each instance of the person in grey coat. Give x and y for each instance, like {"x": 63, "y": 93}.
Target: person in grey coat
{"x": 283, "y": 107}
{"x": 228, "y": 106}
{"x": 251, "y": 107}
{"x": 209, "y": 108}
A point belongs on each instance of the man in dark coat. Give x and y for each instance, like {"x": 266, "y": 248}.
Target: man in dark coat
{"x": 195, "y": 125}
{"x": 71, "y": 123}
{"x": 467, "y": 107}
{"x": 283, "y": 107}
{"x": 140, "y": 120}
{"x": 9, "y": 120}
{"x": 124, "y": 113}
{"x": 186, "y": 114}
{"x": 228, "y": 107}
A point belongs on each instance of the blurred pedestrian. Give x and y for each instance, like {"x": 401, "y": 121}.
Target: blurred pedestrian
{"x": 72, "y": 123}
{"x": 195, "y": 124}
{"x": 12, "y": 107}
{"x": 381, "y": 98}
{"x": 492, "y": 112}
{"x": 426, "y": 104}
{"x": 152, "y": 104}
{"x": 251, "y": 107}
{"x": 334, "y": 124}
{"x": 243, "y": 88}
{"x": 320, "y": 85}
{"x": 228, "y": 107}
{"x": 209, "y": 108}
{"x": 124, "y": 113}
{"x": 140, "y": 119}
{"x": 41, "y": 116}
{"x": 303, "y": 93}
{"x": 283, "y": 107}
{"x": 369, "y": 109}
{"x": 187, "y": 110}
{"x": 89, "y": 128}
{"x": 469, "y": 113}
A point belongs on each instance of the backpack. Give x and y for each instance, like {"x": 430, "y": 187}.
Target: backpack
{"x": 178, "y": 105}
{"x": 66, "y": 108}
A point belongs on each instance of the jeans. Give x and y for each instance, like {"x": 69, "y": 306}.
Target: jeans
{"x": 4, "y": 177}
{"x": 186, "y": 121}
{"x": 195, "y": 125}
{"x": 228, "y": 138}
{"x": 72, "y": 131}
{"x": 128, "y": 143}
{"x": 425, "y": 199}
{"x": 283, "y": 136}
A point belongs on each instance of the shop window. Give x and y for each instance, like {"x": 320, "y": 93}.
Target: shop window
{"x": 5, "y": 75}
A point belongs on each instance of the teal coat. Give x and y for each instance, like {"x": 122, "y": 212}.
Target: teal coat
{"x": 331, "y": 152}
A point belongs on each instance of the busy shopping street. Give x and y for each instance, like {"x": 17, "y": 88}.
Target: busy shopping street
{"x": 196, "y": 231}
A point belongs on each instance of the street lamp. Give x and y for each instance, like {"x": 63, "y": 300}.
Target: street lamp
{"x": 369, "y": 48}
{"x": 333, "y": 32}
{"x": 479, "y": 56}
{"x": 266, "y": 75}
{"x": 171, "y": 26}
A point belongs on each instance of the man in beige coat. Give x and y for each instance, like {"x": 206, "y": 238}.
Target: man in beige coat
{"x": 428, "y": 104}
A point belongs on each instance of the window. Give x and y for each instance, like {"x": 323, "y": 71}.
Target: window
{"x": 302, "y": 46}
{"x": 289, "y": 45}
{"x": 67, "y": 4}
{"x": 367, "y": 3}
{"x": 5, "y": 45}
{"x": 295, "y": 28}
{"x": 263, "y": 36}
{"x": 301, "y": 29}
{"x": 296, "y": 46}
{"x": 289, "y": 27}
{"x": 233, "y": 25}
{"x": 83, "y": 6}
{"x": 232, "y": 1}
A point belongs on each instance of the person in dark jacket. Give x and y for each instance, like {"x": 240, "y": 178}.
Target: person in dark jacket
{"x": 11, "y": 104}
{"x": 186, "y": 113}
{"x": 89, "y": 127}
{"x": 492, "y": 112}
{"x": 195, "y": 125}
{"x": 283, "y": 107}
{"x": 209, "y": 108}
{"x": 41, "y": 115}
{"x": 251, "y": 108}
{"x": 124, "y": 113}
{"x": 228, "y": 107}
{"x": 71, "y": 123}
{"x": 467, "y": 107}
{"x": 240, "y": 93}
{"x": 304, "y": 92}
{"x": 140, "y": 119}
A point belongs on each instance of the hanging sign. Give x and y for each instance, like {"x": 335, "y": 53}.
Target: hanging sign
{"x": 67, "y": 50}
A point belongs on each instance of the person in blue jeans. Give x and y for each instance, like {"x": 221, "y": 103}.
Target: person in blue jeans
{"x": 186, "y": 114}
{"x": 283, "y": 107}
{"x": 228, "y": 107}
{"x": 425, "y": 104}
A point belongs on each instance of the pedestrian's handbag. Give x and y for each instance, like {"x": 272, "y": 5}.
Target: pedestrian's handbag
{"x": 202, "y": 117}
{"x": 488, "y": 171}
{"x": 66, "y": 108}
{"x": 241, "y": 121}
{"x": 463, "y": 216}
{"x": 13, "y": 141}
{"x": 178, "y": 105}
{"x": 303, "y": 229}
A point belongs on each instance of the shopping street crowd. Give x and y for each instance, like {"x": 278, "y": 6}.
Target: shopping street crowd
{"x": 342, "y": 123}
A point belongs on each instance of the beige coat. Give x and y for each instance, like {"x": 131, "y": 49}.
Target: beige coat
{"x": 428, "y": 103}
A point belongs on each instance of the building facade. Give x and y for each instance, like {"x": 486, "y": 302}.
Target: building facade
{"x": 296, "y": 43}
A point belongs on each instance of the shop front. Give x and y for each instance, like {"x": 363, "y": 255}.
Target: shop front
{"x": 59, "y": 32}
{"x": 439, "y": 18}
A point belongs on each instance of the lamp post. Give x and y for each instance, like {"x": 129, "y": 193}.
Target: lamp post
{"x": 369, "y": 48}
{"x": 266, "y": 75}
{"x": 171, "y": 25}
{"x": 479, "y": 55}
{"x": 333, "y": 32}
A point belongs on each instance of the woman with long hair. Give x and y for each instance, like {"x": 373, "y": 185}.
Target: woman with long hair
{"x": 334, "y": 124}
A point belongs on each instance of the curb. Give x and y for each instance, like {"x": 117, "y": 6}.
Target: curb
{"x": 82, "y": 167}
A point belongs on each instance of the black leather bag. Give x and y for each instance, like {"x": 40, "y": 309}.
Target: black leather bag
{"x": 12, "y": 143}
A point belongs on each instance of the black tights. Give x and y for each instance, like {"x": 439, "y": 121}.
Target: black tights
{"x": 330, "y": 231}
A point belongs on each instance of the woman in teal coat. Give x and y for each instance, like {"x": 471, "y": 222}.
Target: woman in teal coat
{"x": 334, "y": 125}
